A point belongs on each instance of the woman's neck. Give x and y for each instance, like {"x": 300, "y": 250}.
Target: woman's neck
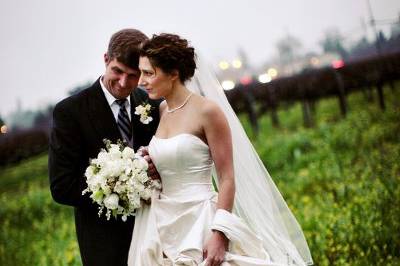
{"x": 177, "y": 97}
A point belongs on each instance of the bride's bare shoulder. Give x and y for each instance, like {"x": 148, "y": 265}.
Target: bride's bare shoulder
{"x": 163, "y": 107}
{"x": 208, "y": 109}
{"x": 205, "y": 106}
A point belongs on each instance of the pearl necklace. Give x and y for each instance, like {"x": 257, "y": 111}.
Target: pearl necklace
{"x": 180, "y": 106}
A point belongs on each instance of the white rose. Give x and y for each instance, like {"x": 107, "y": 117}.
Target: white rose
{"x": 139, "y": 188}
{"x": 123, "y": 177}
{"x": 139, "y": 110}
{"x": 128, "y": 153}
{"x": 111, "y": 201}
{"x": 105, "y": 171}
{"x": 134, "y": 170}
{"x": 89, "y": 173}
{"x": 102, "y": 158}
{"x": 128, "y": 170}
{"x": 134, "y": 200}
{"x": 106, "y": 189}
{"x": 156, "y": 184}
{"x": 140, "y": 163}
{"x": 142, "y": 177}
{"x": 115, "y": 168}
{"x": 119, "y": 187}
{"x": 146, "y": 194}
{"x": 145, "y": 119}
{"x": 114, "y": 152}
{"x": 95, "y": 183}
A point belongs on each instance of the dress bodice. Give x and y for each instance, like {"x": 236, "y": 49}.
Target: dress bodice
{"x": 174, "y": 229}
{"x": 182, "y": 161}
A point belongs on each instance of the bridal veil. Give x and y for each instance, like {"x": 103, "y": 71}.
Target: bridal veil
{"x": 257, "y": 201}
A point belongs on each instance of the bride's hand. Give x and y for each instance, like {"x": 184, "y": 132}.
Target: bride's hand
{"x": 151, "y": 171}
{"x": 215, "y": 248}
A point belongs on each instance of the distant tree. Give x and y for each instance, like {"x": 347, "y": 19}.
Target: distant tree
{"x": 381, "y": 37}
{"x": 43, "y": 118}
{"x": 21, "y": 119}
{"x": 24, "y": 119}
{"x": 1, "y": 121}
{"x": 288, "y": 48}
{"x": 79, "y": 88}
{"x": 395, "y": 29}
{"x": 333, "y": 42}
{"x": 362, "y": 44}
{"x": 243, "y": 58}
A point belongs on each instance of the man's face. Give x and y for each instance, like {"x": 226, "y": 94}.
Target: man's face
{"x": 119, "y": 79}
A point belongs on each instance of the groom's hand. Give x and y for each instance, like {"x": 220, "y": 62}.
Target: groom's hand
{"x": 151, "y": 171}
{"x": 215, "y": 249}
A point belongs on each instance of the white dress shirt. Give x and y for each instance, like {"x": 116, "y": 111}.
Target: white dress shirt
{"x": 113, "y": 105}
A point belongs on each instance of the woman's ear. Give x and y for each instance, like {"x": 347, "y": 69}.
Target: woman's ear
{"x": 174, "y": 75}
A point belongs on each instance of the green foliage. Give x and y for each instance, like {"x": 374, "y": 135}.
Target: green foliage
{"x": 341, "y": 179}
{"x": 34, "y": 230}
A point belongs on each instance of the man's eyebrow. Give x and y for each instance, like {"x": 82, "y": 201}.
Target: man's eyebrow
{"x": 116, "y": 68}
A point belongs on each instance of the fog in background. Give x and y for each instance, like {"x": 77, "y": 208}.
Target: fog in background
{"x": 49, "y": 47}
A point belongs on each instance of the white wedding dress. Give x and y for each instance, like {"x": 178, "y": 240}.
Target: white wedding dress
{"x": 174, "y": 228}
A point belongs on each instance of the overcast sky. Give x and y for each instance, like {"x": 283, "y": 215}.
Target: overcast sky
{"x": 49, "y": 46}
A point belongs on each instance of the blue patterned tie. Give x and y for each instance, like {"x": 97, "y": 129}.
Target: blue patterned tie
{"x": 124, "y": 124}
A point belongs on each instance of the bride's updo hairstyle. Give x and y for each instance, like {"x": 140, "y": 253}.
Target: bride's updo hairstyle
{"x": 170, "y": 52}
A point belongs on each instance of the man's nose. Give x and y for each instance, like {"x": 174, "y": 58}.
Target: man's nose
{"x": 123, "y": 81}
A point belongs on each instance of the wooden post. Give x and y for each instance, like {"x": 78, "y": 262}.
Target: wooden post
{"x": 274, "y": 107}
{"x": 307, "y": 117}
{"x": 274, "y": 117}
{"x": 379, "y": 90}
{"x": 341, "y": 94}
{"x": 366, "y": 91}
{"x": 391, "y": 83}
{"x": 250, "y": 108}
{"x": 313, "y": 106}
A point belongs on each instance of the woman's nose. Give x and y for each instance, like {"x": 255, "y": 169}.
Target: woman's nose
{"x": 142, "y": 81}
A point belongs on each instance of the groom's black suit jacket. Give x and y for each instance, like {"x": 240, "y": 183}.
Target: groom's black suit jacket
{"x": 80, "y": 123}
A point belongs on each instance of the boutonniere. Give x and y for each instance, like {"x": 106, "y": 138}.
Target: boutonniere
{"x": 144, "y": 110}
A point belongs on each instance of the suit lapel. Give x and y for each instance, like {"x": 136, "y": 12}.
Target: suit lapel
{"x": 101, "y": 115}
{"x": 103, "y": 119}
{"x": 141, "y": 132}
{"x": 135, "y": 119}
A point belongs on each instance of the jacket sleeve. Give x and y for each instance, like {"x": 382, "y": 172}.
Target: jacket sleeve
{"x": 66, "y": 161}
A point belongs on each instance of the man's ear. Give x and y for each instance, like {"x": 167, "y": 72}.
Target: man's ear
{"x": 106, "y": 59}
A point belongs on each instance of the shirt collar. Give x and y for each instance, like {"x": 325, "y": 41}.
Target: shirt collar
{"x": 110, "y": 98}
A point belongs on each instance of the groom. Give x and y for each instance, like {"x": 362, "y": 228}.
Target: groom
{"x": 80, "y": 123}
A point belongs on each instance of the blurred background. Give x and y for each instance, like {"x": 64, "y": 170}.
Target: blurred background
{"x": 315, "y": 84}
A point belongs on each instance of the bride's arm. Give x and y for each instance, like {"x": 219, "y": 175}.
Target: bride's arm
{"x": 219, "y": 140}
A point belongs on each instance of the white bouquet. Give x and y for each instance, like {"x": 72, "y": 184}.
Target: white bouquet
{"x": 117, "y": 180}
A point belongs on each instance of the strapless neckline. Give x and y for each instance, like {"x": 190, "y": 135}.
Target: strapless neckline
{"x": 180, "y": 135}
{"x": 182, "y": 215}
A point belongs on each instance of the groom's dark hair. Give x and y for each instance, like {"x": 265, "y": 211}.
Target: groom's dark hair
{"x": 124, "y": 46}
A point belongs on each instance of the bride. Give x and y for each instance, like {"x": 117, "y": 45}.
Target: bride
{"x": 198, "y": 139}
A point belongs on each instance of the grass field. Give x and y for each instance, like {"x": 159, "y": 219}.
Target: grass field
{"x": 340, "y": 178}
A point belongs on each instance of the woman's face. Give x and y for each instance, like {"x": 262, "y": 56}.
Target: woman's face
{"x": 157, "y": 83}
